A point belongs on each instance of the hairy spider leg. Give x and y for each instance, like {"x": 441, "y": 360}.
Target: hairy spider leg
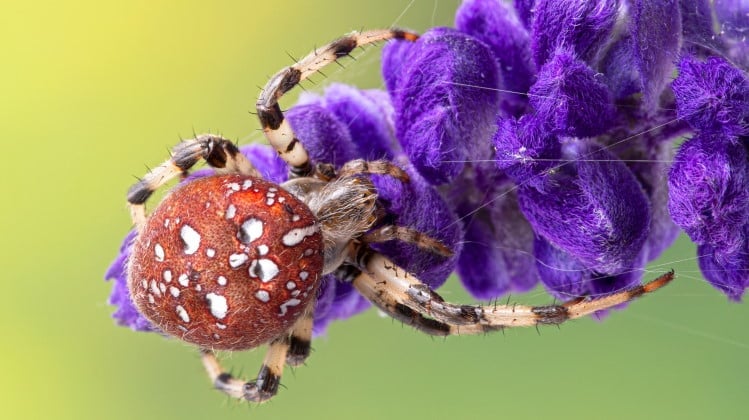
{"x": 276, "y": 128}
{"x": 218, "y": 152}
{"x": 290, "y": 348}
{"x": 407, "y": 299}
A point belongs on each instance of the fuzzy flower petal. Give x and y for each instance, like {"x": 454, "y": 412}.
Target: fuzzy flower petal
{"x": 713, "y": 96}
{"x": 325, "y": 298}
{"x": 657, "y": 38}
{"x": 497, "y": 254}
{"x": 729, "y": 276}
{"x": 582, "y": 26}
{"x": 396, "y": 59}
{"x": 605, "y": 284}
{"x": 126, "y": 314}
{"x": 323, "y": 135}
{"x": 650, "y": 163}
{"x": 443, "y": 116}
{"x": 366, "y": 116}
{"x": 524, "y": 10}
{"x": 566, "y": 278}
{"x": 495, "y": 24}
{"x": 709, "y": 192}
{"x": 267, "y": 162}
{"x": 596, "y": 211}
{"x": 572, "y": 97}
{"x": 526, "y": 150}
{"x": 345, "y": 302}
{"x": 562, "y": 275}
{"x": 733, "y": 16}
{"x": 697, "y": 27}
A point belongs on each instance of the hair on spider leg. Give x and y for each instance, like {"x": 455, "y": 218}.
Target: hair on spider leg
{"x": 294, "y": 59}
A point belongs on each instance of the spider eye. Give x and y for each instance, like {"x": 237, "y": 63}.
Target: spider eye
{"x": 227, "y": 262}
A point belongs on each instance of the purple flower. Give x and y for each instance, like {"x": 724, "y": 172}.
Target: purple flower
{"x": 539, "y": 143}
{"x": 126, "y": 314}
{"x": 713, "y": 96}
{"x": 734, "y": 28}
{"x": 444, "y": 92}
{"x": 571, "y": 97}
{"x": 498, "y": 26}
{"x": 582, "y": 26}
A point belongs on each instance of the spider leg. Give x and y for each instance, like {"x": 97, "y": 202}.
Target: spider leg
{"x": 406, "y": 298}
{"x": 292, "y": 348}
{"x": 264, "y": 387}
{"x": 408, "y": 235}
{"x": 300, "y": 340}
{"x": 277, "y": 129}
{"x": 218, "y": 152}
{"x": 375, "y": 167}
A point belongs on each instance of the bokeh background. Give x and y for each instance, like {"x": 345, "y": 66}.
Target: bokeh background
{"x": 93, "y": 91}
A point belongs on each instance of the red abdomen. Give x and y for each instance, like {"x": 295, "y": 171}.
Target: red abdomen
{"x": 226, "y": 262}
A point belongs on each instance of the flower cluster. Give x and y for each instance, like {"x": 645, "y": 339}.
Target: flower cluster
{"x": 539, "y": 140}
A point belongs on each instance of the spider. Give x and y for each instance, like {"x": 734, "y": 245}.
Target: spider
{"x": 232, "y": 261}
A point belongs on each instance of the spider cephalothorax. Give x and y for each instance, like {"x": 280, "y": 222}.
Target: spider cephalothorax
{"x": 232, "y": 261}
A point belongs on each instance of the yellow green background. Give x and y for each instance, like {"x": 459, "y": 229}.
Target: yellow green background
{"x": 91, "y": 92}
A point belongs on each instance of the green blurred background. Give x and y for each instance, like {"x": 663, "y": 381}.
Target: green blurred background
{"x": 93, "y": 92}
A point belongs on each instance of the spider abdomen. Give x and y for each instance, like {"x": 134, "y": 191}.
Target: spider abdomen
{"x": 226, "y": 262}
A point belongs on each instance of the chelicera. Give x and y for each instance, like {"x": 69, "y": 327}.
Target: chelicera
{"x": 232, "y": 261}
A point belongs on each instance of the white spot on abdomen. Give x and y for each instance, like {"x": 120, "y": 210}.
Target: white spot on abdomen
{"x": 250, "y": 230}
{"x": 174, "y": 291}
{"x": 183, "y": 313}
{"x": 262, "y": 249}
{"x": 295, "y": 236}
{"x": 262, "y": 296}
{"x": 285, "y": 306}
{"x": 210, "y": 252}
{"x": 167, "y": 276}
{"x": 231, "y": 211}
{"x": 155, "y": 288}
{"x": 263, "y": 269}
{"x": 221, "y": 281}
{"x": 183, "y": 280}
{"x": 218, "y": 305}
{"x": 191, "y": 238}
{"x": 159, "y": 251}
{"x": 235, "y": 260}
